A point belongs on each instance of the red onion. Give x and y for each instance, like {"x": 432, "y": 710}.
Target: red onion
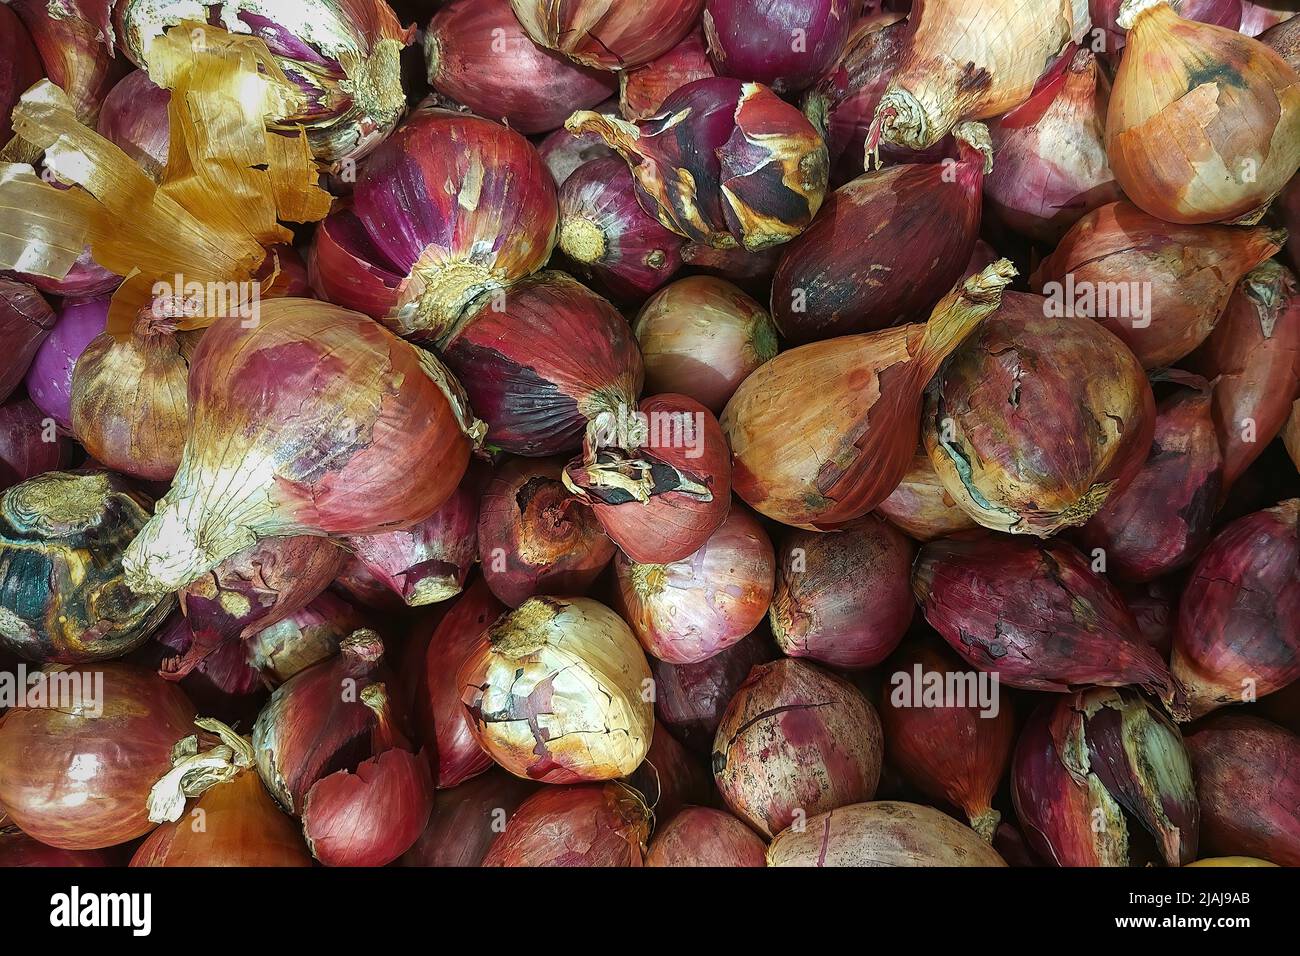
{"x": 75, "y": 41}
{"x": 563, "y": 152}
{"x": 1284, "y": 37}
{"x": 671, "y": 777}
{"x": 22, "y": 67}
{"x": 643, "y": 89}
{"x": 49, "y": 379}
{"x": 1258, "y": 17}
{"x": 465, "y": 821}
{"x": 17, "y": 849}
{"x": 843, "y": 599}
{"x": 1222, "y": 13}
{"x": 921, "y": 506}
{"x": 689, "y": 610}
{"x": 607, "y": 234}
{"x": 786, "y": 44}
{"x": 27, "y": 447}
{"x": 479, "y": 55}
{"x": 1238, "y": 631}
{"x": 1153, "y": 607}
{"x": 356, "y": 583}
{"x": 600, "y": 826}
{"x": 533, "y": 537}
{"x": 307, "y": 636}
{"x": 699, "y": 836}
{"x": 220, "y": 684}
{"x": 750, "y": 270}
{"x": 135, "y": 119}
{"x": 25, "y": 321}
{"x": 86, "y": 279}
{"x": 1248, "y": 784}
{"x": 608, "y": 34}
{"x": 795, "y": 741}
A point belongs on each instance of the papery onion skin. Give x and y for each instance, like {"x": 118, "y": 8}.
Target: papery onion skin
{"x": 750, "y": 270}
{"x": 305, "y": 637}
{"x": 845, "y": 598}
{"x": 465, "y": 821}
{"x": 795, "y": 741}
{"x": 575, "y": 662}
{"x": 76, "y": 47}
{"x": 1178, "y": 83}
{"x": 220, "y": 685}
{"x": 785, "y": 44}
{"x": 686, "y": 611}
{"x": 1018, "y": 439}
{"x": 643, "y": 89}
{"x": 25, "y": 321}
{"x": 77, "y": 779}
{"x": 607, "y": 34}
{"x": 1223, "y": 13}
{"x": 598, "y": 826}
{"x": 49, "y": 378}
{"x": 479, "y": 55}
{"x": 920, "y": 505}
{"x": 25, "y": 451}
{"x": 134, "y": 117}
{"x": 882, "y": 833}
{"x": 1238, "y": 630}
{"x": 701, "y": 836}
{"x": 17, "y": 849}
{"x": 1284, "y": 37}
{"x": 264, "y": 447}
{"x": 22, "y": 67}
{"x": 563, "y": 152}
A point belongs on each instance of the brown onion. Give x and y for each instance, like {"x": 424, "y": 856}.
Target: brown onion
{"x": 28, "y": 445}
{"x": 700, "y": 836}
{"x": 608, "y": 34}
{"x": 307, "y": 636}
{"x": 599, "y": 826}
{"x": 921, "y": 506}
{"x": 25, "y": 321}
{"x": 643, "y": 89}
{"x": 465, "y": 821}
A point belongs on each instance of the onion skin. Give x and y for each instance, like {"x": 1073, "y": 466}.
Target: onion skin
{"x": 643, "y": 89}
{"x": 597, "y": 826}
{"x": 135, "y": 118}
{"x": 606, "y": 35}
{"x": 843, "y": 599}
{"x": 221, "y": 685}
{"x": 795, "y": 741}
{"x": 751, "y": 270}
{"x": 17, "y": 849}
{"x": 671, "y": 777}
{"x": 25, "y": 321}
{"x": 1223, "y": 13}
{"x": 813, "y": 443}
{"x": 687, "y": 611}
{"x": 1034, "y": 613}
{"x": 1178, "y": 82}
{"x": 701, "y": 337}
{"x": 573, "y": 662}
{"x": 1248, "y": 784}
{"x": 1284, "y": 37}
{"x": 76, "y": 47}
{"x": 24, "y": 452}
{"x": 1256, "y": 18}
{"x": 563, "y": 152}
{"x": 950, "y": 752}
{"x": 1291, "y": 433}
{"x": 49, "y": 378}
{"x": 86, "y": 279}
{"x": 78, "y": 781}
{"x": 1154, "y": 608}
{"x": 22, "y": 67}
{"x": 883, "y": 833}
{"x": 465, "y": 821}
{"x": 920, "y": 505}
{"x": 479, "y": 55}
{"x": 307, "y": 636}
{"x": 1231, "y": 861}
{"x": 1018, "y": 440}
{"x": 785, "y": 45}
{"x": 543, "y": 358}
{"x": 1238, "y": 631}
{"x": 700, "y": 836}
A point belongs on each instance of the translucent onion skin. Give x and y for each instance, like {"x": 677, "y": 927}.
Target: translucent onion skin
{"x": 921, "y": 507}
{"x": 25, "y": 321}
{"x": 597, "y": 826}
{"x": 75, "y": 43}
{"x": 24, "y": 450}
{"x": 22, "y": 67}
{"x": 701, "y": 337}
{"x": 450, "y": 206}
{"x": 1036, "y": 420}
{"x": 1248, "y": 785}
{"x": 795, "y": 741}
{"x": 467, "y": 820}
{"x": 843, "y": 599}
{"x": 608, "y": 34}
{"x": 701, "y": 836}
{"x": 266, "y": 453}
{"x": 49, "y": 377}
{"x": 786, "y": 44}
{"x": 77, "y": 777}
{"x": 1238, "y": 630}
{"x": 478, "y": 54}
{"x": 305, "y": 637}
{"x": 686, "y": 611}
{"x": 134, "y": 118}
{"x": 882, "y": 833}
{"x": 643, "y": 89}
{"x": 1221, "y": 170}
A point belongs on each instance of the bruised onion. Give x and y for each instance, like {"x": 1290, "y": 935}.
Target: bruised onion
{"x": 701, "y": 836}
{"x": 643, "y": 89}
{"x": 1238, "y": 631}
{"x": 135, "y": 118}
{"x": 49, "y": 378}
{"x": 607, "y": 34}
{"x": 795, "y": 741}
{"x": 29, "y": 444}
{"x": 558, "y": 692}
{"x": 785, "y": 44}
{"x": 921, "y": 506}
{"x": 25, "y": 321}
{"x": 22, "y": 67}
{"x": 308, "y": 636}
{"x": 845, "y": 598}
{"x": 75, "y": 41}
{"x": 466, "y": 821}
{"x": 599, "y": 826}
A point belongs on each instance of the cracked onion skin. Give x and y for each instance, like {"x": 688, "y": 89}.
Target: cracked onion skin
{"x": 794, "y": 742}
{"x": 843, "y": 599}
{"x": 1238, "y": 631}
{"x": 608, "y": 34}
{"x": 596, "y": 826}
{"x": 702, "y": 836}
{"x": 882, "y": 833}
{"x": 557, "y": 692}
{"x": 785, "y": 44}
{"x": 1036, "y": 420}
{"x": 305, "y": 637}
{"x": 920, "y": 505}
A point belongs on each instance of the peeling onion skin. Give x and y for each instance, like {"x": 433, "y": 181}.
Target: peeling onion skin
{"x": 1248, "y": 783}
{"x": 882, "y": 833}
{"x": 1238, "y": 631}
{"x": 307, "y": 636}
{"x": 701, "y": 836}
{"x": 1036, "y": 421}
{"x": 784, "y": 44}
{"x": 608, "y": 34}
{"x": 563, "y": 152}
{"x": 467, "y": 820}
{"x": 843, "y": 599}
{"x": 75, "y": 42}
{"x": 596, "y": 826}
{"x": 557, "y": 692}
{"x": 920, "y": 505}
{"x": 1223, "y": 13}
{"x": 24, "y": 452}
{"x": 1230, "y": 103}
{"x": 643, "y": 89}
{"x": 222, "y": 684}
{"x": 22, "y": 68}
{"x": 25, "y": 321}
{"x": 1257, "y": 17}
{"x": 795, "y": 741}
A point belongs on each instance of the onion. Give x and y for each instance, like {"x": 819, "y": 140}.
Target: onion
{"x": 1153, "y": 607}
{"x": 1284, "y": 37}
{"x": 723, "y": 163}
{"x": 700, "y": 836}
{"x": 557, "y": 692}
{"x": 883, "y": 833}
{"x": 785, "y": 44}
{"x": 1037, "y": 420}
{"x": 1103, "y": 13}
{"x": 1085, "y": 760}
{"x": 604, "y": 230}
{"x": 1034, "y": 613}
{"x": 451, "y": 206}
{"x": 289, "y": 418}
{"x": 27, "y": 447}
{"x": 664, "y": 487}
{"x": 1238, "y": 631}
{"x": 1257, "y": 17}
{"x": 17, "y": 849}
{"x": 951, "y": 746}
{"x": 671, "y": 777}
{"x": 1291, "y": 433}
{"x": 479, "y": 55}
{"x": 686, "y": 611}
{"x": 563, "y": 152}
{"x": 843, "y": 599}
{"x": 599, "y": 826}
{"x": 918, "y": 224}
{"x": 751, "y": 270}
{"x": 307, "y": 636}
{"x": 77, "y": 775}
{"x": 795, "y": 741}
{"x": 643, "y": 89}
{"x": 49, "y": 378}
{"x": 921, "y": 506}
{"x": 466, "y": 821}
{"x": 135, "y": 118}
{"x": 967, "y": 60}
{"x": 356, "y": 583}
{"x": 25, "y": 321}
{"x": 1248, "y": 784}
{"x": 608, "y": 34}
{"x": 1231, "y": 861}
{"x": 22, "y": 67}
{"x": 75, "y": 41}
{"x": 85, "y": 279}
{"x": 812, "y": 445}
{"x": 701, "y": 337}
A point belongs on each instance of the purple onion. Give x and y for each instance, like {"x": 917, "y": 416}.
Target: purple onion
{"x": 306, "y": 637}
{"x": 24, "y": 450}
{"x": 25, "y": 320}
{"x": 786, "y": 44}
{"x": 49, "y": 380}
{"x": 563, "y": 152}
{"x": 134, "y": 118}
{"x": 221, "y": 685}
{"x": 86, "y": 279}
{"x": 1221, "y": 13}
